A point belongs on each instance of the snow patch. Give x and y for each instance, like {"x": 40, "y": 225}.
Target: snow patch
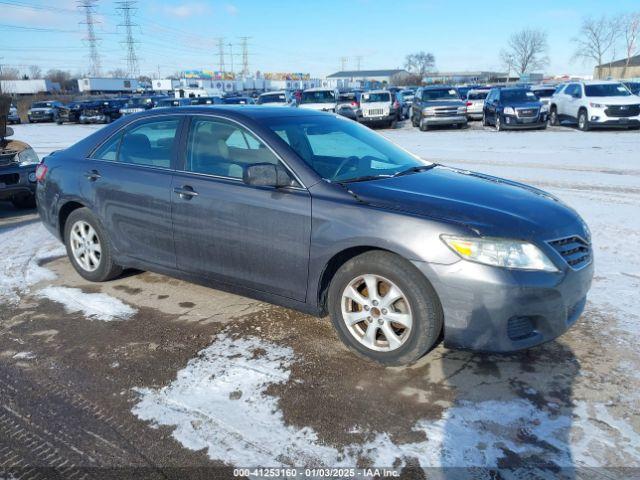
{"x": 96, "y": 306}
{"x": 218, "y": 402}
{"x": 24, "y": 356}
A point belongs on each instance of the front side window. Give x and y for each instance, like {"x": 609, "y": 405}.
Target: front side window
{"x": 221, "y": 148}
{"x": 109, "y": 149}
{"x": 149, "y": 143}
{"x": 341, "y": 150}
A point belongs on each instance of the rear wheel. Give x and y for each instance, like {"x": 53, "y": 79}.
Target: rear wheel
{"x": 583, "y": 121}
{"x": 553, "y": 116}
{"x": 89, "y": 247}
{"x": 485, "y": 122}
{"x": 384, "y": 309}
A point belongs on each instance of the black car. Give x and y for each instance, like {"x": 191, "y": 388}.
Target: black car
{"x": 238, "y": 101}
{"x": 102, "y": 111}
{"x": 174, "y": 102}
{"x": 514, "y": 108}
{"x": 206, "y": 101}
{"x": 18, "y": 162}
{"x": 319, "y": 213}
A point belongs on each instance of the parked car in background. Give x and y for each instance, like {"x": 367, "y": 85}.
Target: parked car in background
{"x": 321, "y": 214}
{"x": 44, "y": 111}
{"x": 136, "y": 104}
{"x": 595, "y": 103}
{"x": 439, "y": 105}
{"x": 13, "y": 116}
{"x": 513, "y": 108}
{"x": 405, "y": 99}
{"x": 378, "y": 108}
{"x": 475, "y": 103}
{"x": 280, "y": 98}
{"x": 544, "y": 94}
{"x": 174, "y": 102}
{"x": 70, "y": 113}
{"x": 238, "y": 101}
{"x": 634, "y": 87}
{"x": 205, "y": 101}
{"x": 102, "y": 111}
{"x": 348, "y": 104}
{"x": 323, "y": 99}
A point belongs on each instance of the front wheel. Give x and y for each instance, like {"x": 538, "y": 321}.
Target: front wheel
{"x": 485, "y": 122}
{"x": 89, "y": 248}
{"x": 553, "y": 117}
{"x": 384, "y": 309}
{"x": 583, "y": 121}
{"x": 498, "y": 123}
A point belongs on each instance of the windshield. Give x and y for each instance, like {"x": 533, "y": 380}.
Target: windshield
{"x": 634, "y": 87}
{"x": 606, "y": 90}
{"x": 375, "y": 97}
{"x": 42, "y": 105}
{"x": 237, "y": 101}
{"x": 517, "y": 96}
{"x": 137, "y": 102}
{"x": 322, "y": 96}
{"x": 273, "y": 98}
{"x": 440, "y": 94}
{"x": 341, "y": 150}
{"x": 544, "y": 93}
{"x": 477, "y": 95}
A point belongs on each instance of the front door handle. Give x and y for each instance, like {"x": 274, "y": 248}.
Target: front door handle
{"x": 93, "y": 175}
{"x": 185, "y": 192}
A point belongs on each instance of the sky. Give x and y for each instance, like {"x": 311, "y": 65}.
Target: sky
{"x": 295, "y": 35}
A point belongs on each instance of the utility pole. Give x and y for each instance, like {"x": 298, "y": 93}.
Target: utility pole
{"x": 128, "y": 8}
{"x": 230, "y": 45}
{"x": 89, "y": 7}
{"x": 343, "y": 63}
{"x": 244, "y": 42}
{"x": 221, "y": 66}
{"x": 358, "y": 62}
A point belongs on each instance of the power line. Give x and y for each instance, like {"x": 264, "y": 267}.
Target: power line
{"x": 244, "y": 42}
{"x": 89, "y": 7}
{"x": 358, "y": 62}
{"x": 343, "y": 63}
{"x": 128, "y": 7}
{"x": 221, "y": 66}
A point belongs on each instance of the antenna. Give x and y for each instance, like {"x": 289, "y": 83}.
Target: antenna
{"x": 221, "y": 66}
{"x": 89, "y": 7}
{"x": 128, "y": 8}
{"x": 245, "y": 55}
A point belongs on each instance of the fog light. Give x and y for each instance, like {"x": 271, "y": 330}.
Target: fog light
{"x": 595, "y": 119}
{"x": 32, "y": 177}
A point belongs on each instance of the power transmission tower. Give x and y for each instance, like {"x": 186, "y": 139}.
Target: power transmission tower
{"x": 221, "y": 66}
{"x": 358, "y": 62}
{"x": 128, "y": 9}
{"x": 244, "y": 42}
{"x": 89, "y": 8}
{"x": 230, "y": 45}
{"x": 343, "y": 63}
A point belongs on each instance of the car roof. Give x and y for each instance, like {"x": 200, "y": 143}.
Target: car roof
{"x": 275, "y": 92}
{"x": 247, "y": 111}
{"x": 438, "y": 87}
{"x": 319, "y": 89}
{"x": 378, "y": 91}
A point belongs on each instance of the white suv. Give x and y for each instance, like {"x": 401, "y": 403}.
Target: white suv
{"x": 595, "y": 103}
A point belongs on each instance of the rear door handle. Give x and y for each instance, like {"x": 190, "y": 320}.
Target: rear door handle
{"x": 93, "y": 175}
{"x": 186, "y": 192}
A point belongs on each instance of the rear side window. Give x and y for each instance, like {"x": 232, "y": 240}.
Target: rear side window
{"x": 150, "y": 143}
{"x": 109, "y": 149}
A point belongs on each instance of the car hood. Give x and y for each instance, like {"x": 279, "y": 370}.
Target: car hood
{"x": 488, "y": 205}
{"x": 443, "y": 103}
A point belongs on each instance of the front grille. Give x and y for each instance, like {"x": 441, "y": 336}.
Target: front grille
{"x": 519, "y": 327}
{"x": 10, "y": 178}
{"x": 527, "y": 112}
{"x": 574, "y": 250}
{"x": 91, "y": 113}
{"x": 375, "y": 111}
{"x": 622, "y": 110}
{"x": 446, "y": 112}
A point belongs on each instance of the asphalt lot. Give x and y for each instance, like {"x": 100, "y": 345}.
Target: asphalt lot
{"x": 157, "y": 374}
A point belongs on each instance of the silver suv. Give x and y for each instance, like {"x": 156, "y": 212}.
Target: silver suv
{"x": 439, "y": 105}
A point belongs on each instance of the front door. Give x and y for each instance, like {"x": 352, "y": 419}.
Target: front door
{"x": 256, "y": 237}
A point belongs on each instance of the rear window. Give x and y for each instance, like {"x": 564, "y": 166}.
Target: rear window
{"x": 273, "y": 98}
{"x": 477, "y": 95}
{"x": 375, "y": 97}
{"x": 544, "y": 93}
{"x": 321, "y": 96}
{"x": 440, "y": 94}
{"x": 606, "y": 90}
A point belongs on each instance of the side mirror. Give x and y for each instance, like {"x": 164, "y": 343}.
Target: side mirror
{"x": 266, "y": 175}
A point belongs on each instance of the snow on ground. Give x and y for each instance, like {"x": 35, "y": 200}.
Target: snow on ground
{"x": 95, "y": 306}
{"x": 49, "y": 137}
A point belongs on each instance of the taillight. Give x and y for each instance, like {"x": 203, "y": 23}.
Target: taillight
{"x": 396, "y": 104}
{"x": 469, "y": 104}
{"x": 354, "y": 104}
{"x": 41, "y": 172}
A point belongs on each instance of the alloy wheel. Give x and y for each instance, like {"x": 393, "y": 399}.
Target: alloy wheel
{"x": 85, "y": 246}
{"x": 376, "y": 313}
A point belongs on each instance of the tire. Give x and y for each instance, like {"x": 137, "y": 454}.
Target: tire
{"x": 498, "y": 123}
{"x": 485, "y": 122}
{"x": 424, "y": 126}
{"x": 553, "y": 116}
{"x": 417, "y": 297}
{"x": 105, "y": 269}
{"x": 25, "y": 202}
{"x": 414, "y": 122}
{"x": 394, "y": 123}
{"x": 583, "y": 121}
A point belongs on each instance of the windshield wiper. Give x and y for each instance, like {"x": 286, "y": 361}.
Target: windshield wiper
{"x": 364, "y": 178}
{"x": 421, "y": 168}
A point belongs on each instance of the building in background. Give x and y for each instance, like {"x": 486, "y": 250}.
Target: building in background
{"x": 479, "y": 77}
{"x": 364, "y": 78}
{"x": 619, "y": 69}
{"x": 29, "y": 87}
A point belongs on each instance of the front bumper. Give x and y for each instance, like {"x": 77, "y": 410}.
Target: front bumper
{"x": 15, "y": 182}
{"x": 47, "y": 117}
{"x": 383, "y": 120}
{"x": 474, "y": 115}
{"x": 523, "y": 123}
{"x": 500, "y": 310}
{"x": 453, "y": 120}
{"x": 602, "y": 120}
{"x": 93, "y": 119}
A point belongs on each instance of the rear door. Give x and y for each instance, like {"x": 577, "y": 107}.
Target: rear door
{"x": 255, "y": 237}
{"x": 128, "y": 180}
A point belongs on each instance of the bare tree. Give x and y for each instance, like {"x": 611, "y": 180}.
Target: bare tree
{"x": 118, "y": 73}
{"x": 630, "y": 28}
{"x": 61, "y": 77}
{"x": 526, "y": 51}
{"x": 10, "y": 73}
{"x": 596, "y": 39}
{"x": 420, "y": 63}
{"x": 35, "y": 72}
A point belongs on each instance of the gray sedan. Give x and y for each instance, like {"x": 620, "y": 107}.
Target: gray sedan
{"x": 316, "y": 212}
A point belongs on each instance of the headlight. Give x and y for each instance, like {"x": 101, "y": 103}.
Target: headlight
{"x": 28, "y": 157}
{"x": 509, "y": 111}
{"x": 462, "y": 109}
{"x": 500, "y": 252}
{"x": 596, "y": 105}
{"x": 429, "y": 111}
